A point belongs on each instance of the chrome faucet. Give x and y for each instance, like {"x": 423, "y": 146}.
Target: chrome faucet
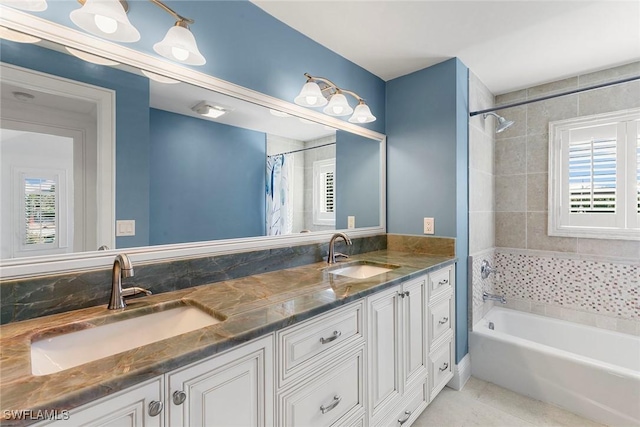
{"x": 122, "y": 267}
{"x": 486, "y": 269}
{"x": 492, "y": 297}
{"x": 331, "y": 259}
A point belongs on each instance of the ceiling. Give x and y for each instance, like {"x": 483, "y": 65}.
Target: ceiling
{"x": 509, "y": 45}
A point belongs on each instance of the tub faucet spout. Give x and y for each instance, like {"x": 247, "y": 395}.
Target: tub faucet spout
{"x": 492, "y": 297}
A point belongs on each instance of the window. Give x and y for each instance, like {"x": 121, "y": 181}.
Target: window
{"x": 594, "y": 176}
{"x": 324, "y": 172}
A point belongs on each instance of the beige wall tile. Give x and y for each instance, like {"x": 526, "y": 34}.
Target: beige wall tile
{"x": 510, "y": 97}
{"x": 481, "y": 231}
{"x": 537, "y": 153}
{"x": 611, "y": 74}
{"x": 511, "y": 229}
{"x": 511, "y": 193}
{"x": 481, "y": 148}
{"x": 614, "y": 98}
{"x": 510, "y": 156}
{"x": 613, "y": 248}
{"x": 516, "y": 304}
{"x": 537, "y": 192}
{"x": 553, "y": 87}
{"x": 627, "y": 326}
{"x": 539, "y": 114}
{"x": 606, "y": 322}
{"x": 578, "y": 316}
{"x": 481, "y": 197}
{"x": 537, "y": 237}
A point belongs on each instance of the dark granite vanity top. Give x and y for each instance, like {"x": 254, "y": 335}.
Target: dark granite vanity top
{"x": 251, "y": 306}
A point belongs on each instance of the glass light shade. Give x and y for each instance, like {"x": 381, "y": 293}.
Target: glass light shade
{"x": 158, "y": 78}
{"x": 107, "y": 19}
{"x": 30, "y": 5}
{"x": 94, "y": 59}
{"x": 180, "y": 45}
{"x": 311, "y": 96}
{"x": 362, "y": 114}
{"x": 15, "y": 36}
{"x": 338, "y": 106}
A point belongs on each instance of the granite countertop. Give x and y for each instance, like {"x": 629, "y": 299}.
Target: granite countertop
{"x": 251, "y": 306}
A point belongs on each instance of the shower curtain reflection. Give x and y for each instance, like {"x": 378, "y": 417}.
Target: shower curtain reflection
{"x": 279, "y": 203}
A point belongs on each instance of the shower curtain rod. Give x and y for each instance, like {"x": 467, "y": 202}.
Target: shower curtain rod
{"x": 302, "y": 149}
{"x": 544, "y": 98}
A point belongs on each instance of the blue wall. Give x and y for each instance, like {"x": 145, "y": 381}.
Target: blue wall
{"x": 357, "y": 180}
{"x": 132, "y": 125}
{"x": 245, "y": 45}
{"x": 207, "y": 180}
{"x": 427, "y": 157}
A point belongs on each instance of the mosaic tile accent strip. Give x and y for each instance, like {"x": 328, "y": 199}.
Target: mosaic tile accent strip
{"x": 598, "y": 287}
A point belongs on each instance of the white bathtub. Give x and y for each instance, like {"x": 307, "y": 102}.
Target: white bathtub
{"x": 588, "y": 371}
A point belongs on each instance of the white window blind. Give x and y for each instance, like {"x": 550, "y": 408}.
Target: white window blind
{"x": 40, "y": 211}
{"x": 324, "y": 192}
{"x": 594, "y": 176}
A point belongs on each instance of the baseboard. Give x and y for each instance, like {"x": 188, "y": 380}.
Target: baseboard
{"x": 461, "y": 373}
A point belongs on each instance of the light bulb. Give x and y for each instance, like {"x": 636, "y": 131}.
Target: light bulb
{"x": 179, "y": 53}
{"x": 105, "y": 24}
{"x": 311, "y": 100}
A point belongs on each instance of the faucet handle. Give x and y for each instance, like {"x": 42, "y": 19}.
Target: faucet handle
{"x": 135, "y": 290}
{"x": 340, "y": 254}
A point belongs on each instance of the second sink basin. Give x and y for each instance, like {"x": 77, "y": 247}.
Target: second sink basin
{"x": 62, "y": 352}
{"x": 363, "y": 269}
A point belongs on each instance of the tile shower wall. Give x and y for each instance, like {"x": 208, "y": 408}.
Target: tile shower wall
{"x": 593, "y": 281}
{"x": 481, "y": 194}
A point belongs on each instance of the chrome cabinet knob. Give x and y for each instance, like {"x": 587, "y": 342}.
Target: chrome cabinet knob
{"x": 406, "y": 417}
{"x": 179, "y": 397}
{"x": 155, "y": 407}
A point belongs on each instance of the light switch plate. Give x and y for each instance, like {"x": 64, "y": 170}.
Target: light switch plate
{"x": 429, "y": 227}
{"x": 126, "y": 227}
{"x": 351, "y": 222}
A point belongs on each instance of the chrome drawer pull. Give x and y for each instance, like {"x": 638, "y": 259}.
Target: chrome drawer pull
{"x": 336, "y": 399}
{"x": 444, "y": 367}
{"x": 443, "y": 282}
{"x": 443, "y": 320}
{"x": 179, "y": 397}
{"x": 333, "y": 337}
{"x": 155, "y": 408}
{"x": 407, "y": 293}
{"x": 406, "y": 418}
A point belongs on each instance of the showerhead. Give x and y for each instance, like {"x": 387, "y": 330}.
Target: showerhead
{"x": 502, "y": 122}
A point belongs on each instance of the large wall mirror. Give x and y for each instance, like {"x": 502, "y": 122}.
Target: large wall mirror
{"x": 115, "y": 158}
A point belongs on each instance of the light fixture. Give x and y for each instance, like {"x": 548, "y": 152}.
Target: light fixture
{"x": 502, "y": 124}
{"x": 107, "y": 19}
{"x": 211, "y": 110}
{"x": 318, "y": 91}
{"x": 16, "y": 36}
{"x": 30, "y": 5}
{"x": 89, "y": 57}
{"x": 158, "y": 78}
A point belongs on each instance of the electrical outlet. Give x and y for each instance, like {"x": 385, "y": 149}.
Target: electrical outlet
{"x": 351, "y": 222}
{"x": 429, "y": 227}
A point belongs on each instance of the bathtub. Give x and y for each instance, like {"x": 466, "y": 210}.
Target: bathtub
{"x": 589, "y": 371}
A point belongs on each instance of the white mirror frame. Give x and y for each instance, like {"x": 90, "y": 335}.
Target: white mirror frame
{"x": 81, "y": 261}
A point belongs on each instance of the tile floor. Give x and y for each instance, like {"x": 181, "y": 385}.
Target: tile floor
{"x": 484, "y": 404}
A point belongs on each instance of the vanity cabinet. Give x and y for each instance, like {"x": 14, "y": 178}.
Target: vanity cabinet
{"x": 232, "y": 389}
{"x": 137, "y": 406}
{"x": 397, "y": 342}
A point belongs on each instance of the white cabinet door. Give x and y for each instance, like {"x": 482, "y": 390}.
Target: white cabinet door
{"x": 384, "y": 348}
{"x": 414, "y": 342}
{"x": 232, "y": 389}
{"x": 127, "y": 408}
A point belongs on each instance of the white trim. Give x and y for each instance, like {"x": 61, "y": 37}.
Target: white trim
{"x": 105, "y": 101}
{"x": 38, "y": 266}
{"x": 461, "y": 373}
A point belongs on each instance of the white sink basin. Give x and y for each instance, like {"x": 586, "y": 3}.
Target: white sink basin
{"x": 62, "y": 352}
{"x": 360, "y": 271}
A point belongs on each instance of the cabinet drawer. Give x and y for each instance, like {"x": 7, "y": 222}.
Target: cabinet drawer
{"x": 331, "y": 397}
{"x": 413, "y": 403}
{"x": 304, "y": 345}
{"x": 441, "y": 367}
{"x": 441, "y": 281}
{"x": 440, "y": 314}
